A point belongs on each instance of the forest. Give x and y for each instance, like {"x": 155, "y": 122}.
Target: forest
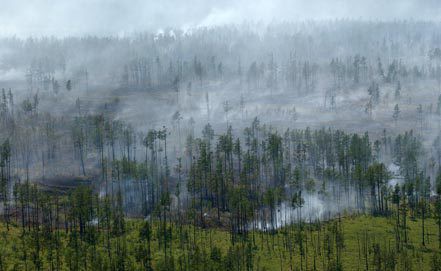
{"x": 312, "y": 145}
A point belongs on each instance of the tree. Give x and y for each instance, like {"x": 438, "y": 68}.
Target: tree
{"x": 374, "y": 92}
{"x": 397, "y": 93}
{"x": 396, "y": 113}
{"x": 420, "y": 116}
{"x": 377, "y": 176}
{"x": 438, "y": 205}
{"x": 69, "y": 85}
{"x": 368, "y": 108}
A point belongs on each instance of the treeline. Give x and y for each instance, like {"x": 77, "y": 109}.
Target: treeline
{"x": 292, "y": 56}
{"x": 235, "y": 183}
{"x": 85, "y": 231}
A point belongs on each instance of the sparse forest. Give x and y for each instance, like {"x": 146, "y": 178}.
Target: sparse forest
{"x": 303, "y": 146}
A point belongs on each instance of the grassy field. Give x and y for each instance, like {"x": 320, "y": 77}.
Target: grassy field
{"x": 362, "y": 235}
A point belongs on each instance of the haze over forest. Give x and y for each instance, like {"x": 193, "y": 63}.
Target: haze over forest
{"x": 293, "y": 135}
{"x": 112, "y": 17}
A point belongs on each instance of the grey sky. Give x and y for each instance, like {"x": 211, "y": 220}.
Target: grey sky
{"x": 103, "y": 17}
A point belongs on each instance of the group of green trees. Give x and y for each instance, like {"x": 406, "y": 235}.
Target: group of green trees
{"x": 234, "y": 183}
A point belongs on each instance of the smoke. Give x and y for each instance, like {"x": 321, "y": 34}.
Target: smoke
{"x": 274, "y": 105}
{"x": 115, "y": 17}
{"x": 315, "y": 208}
